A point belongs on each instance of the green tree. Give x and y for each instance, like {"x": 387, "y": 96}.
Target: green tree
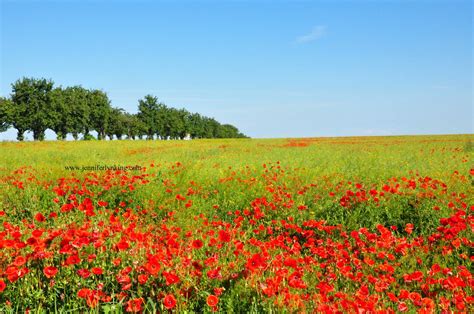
{"x": 229, "y": 131}
{"x": 117, "y": 124}
{"x": 134, "y": 126}
{"x": 210, "y": 127}
{"x": 176, "y": 123}
{"x": 5, "y": 113}
{"x": 99, "y": 110}
{"x": 183, "y": 126}
{"x": 150, "y": 113}
{"x": 60, "y": 108}
{"x": 195, "y": 125}
{"x": 32, "y": 106}
{"x": 78, "y": 110}
{"x": 36, "y": 106}
{"x": 71, "y": 110}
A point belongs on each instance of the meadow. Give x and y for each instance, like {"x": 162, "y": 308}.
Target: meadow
{"x": 348, "y": 225}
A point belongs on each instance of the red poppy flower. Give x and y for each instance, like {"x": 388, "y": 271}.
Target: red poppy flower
{"x": 169, "y": 301}
{"x": 170, "y": 278}
{"x": 2, "y": 285}
{"x": 19, "y": 261}
{"x": 197, "y": 244}
{"x": 153, "y": 267}
{"x": 212, "y": 300}
{"x": 142, "y": 279}
{"x": 255, "y": 263}
{"x": 83, "y": 293}
{"x": 84, "y": 273}
{"x": 134, "y": 305}
{"x": 123, "y": 245}
{"x": 50, "y": 271}
{"x": 37, "y": 233}
{"x": 73, "y": 259}
{"x": 224, "y": 236}
{"x": 39, "y": 217}
{"x": 67, "y": 207}
{"x": 402, "y": 307}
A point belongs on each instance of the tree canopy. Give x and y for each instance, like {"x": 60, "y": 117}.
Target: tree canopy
{"x": 35, "y": 105}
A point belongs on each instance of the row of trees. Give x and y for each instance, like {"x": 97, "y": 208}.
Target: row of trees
{"x": 36, "y": 105}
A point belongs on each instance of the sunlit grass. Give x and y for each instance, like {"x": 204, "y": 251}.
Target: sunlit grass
{"x": 261, "y": 192}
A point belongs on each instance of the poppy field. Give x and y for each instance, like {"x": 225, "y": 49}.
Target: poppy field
{"x": 326, "y": 225}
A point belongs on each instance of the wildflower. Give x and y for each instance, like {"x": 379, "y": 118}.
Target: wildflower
{"x": 134, "y": 305}
{"x": 39, "y": 217}
{"x": 169, "y": 301}
{"x": 197, "y": 244}
{"x": 212, "y": 300}
{"x": 2, "y": 285}
{"x": 50, "y": 271}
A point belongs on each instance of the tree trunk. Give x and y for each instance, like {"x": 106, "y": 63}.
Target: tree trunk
{"x": 20, "y": 136}
{"x": 38, "y": 135}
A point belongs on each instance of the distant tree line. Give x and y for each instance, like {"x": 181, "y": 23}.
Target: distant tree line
{"x": 36, "y": 105}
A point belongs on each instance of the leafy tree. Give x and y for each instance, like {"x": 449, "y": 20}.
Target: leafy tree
{"x": 229, "y": 131}
{"x": 210, "y": 127}
{"x": 78, "y": 114}
{"x": 133, "y": 125}
{"x": 176, "y": 123}
{"x": 60, "y": 109}
{"x": 32, "y": 106}
{"x": 149, "y": 112}
{"x": 72, "y": 110}
{"x": 117, "y": 124}
{"x": 36, "y": 106}
{"x": 195, "y": 125}
{"x": 99, "y": 110}
{"x": 183, "y": 126}
{"x": 5, "y": 113}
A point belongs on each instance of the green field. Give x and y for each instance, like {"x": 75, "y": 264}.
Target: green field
{"x": 262, "y": 225}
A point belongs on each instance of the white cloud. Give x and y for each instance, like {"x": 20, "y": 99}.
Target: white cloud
{"x": 316, "y": 33}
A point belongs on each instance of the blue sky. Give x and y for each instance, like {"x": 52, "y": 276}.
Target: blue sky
{"x": 272, "y": 68}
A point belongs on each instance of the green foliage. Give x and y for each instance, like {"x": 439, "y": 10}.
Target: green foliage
{"x": 5, "y": 113}
{"x": 149, "y": 112}
{"x": 117, "y": 123}
{"x": 36, "y": 106}
{"x": 71, "y": 109}
{"x": 99, "y": 108}
{"x": 32, "y": 106}
{"x": 134, "y": 127}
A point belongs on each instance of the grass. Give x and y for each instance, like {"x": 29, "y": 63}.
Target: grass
{"x": 282, "y": 199}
